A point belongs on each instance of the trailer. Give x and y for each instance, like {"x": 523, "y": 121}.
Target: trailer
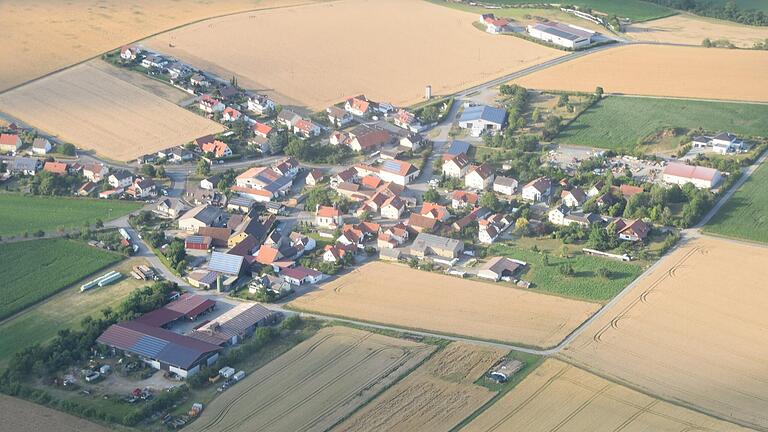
{"x": 239, "y": 376}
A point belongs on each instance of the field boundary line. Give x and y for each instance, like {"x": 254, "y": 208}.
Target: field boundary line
{"x": 641, "y": 390}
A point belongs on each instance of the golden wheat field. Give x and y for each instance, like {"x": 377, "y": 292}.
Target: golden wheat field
{"x": 319, "y": 54}
{"x": 95, "y": 110}
{"x": 692, "y": 30}
{"x": 21, "y": 416}
{"x": 45, "y": 36}
{"x": 398, "y": 295}
{"x": 315, "y": 384}
{"x": 657, "y": 70}
{"x": 693, "y": 331}
{"x": 560, "y": 397}
{"x": 434, "y": 398}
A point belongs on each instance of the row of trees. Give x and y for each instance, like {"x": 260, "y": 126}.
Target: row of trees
{"x": 729, "y": 11}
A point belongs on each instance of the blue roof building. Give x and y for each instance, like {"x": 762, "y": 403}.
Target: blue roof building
{"x": 482, "y": 118}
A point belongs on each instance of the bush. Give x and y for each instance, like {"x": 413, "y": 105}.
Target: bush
{"x": 604, "y": 273}
{"x": 292, "y": 322}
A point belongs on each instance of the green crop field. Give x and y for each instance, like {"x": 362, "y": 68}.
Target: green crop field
{"x": 620, "y": 123}
{"x": 745, "y": 215}
{"x": 20, "y": 213}
{"x": 33, "y": 270}
{"x": 636, "y": 10}
{"x": 585, "y": 284}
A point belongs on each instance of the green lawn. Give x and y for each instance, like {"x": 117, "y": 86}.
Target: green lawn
{"x": 33, "y": 270}
{"x": 620, "y": 123}
{"x": 745, "y": 215}
{"x": 40, "y": 323}
{"x": 21, "y": 213}
{"x": 584, "y": 285}
{"x": 636, "y": 10}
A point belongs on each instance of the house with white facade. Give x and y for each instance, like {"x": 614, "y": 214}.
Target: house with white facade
{"x": 456, "y": 166}
{"x": 482, "y": 118}
{"x": 564, "y": 35}
{"x": 537, "y": 190}
{"x": 480, "y": 177}
{"x": 505, "y": 185}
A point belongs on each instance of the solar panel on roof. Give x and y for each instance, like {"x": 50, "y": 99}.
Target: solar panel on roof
{"x": 391, "y": 166}
{"x": 149, "y": 346}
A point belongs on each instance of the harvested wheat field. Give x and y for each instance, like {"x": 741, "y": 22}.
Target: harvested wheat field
{"x": 657, "y": 70}
{"x": 45, "y": 36}
{"x": 95, "y": 110}
{"x": 398, "y": 295}
{"x": 557, "y": 396}
{"x": 142, "y": 81}
{"x": 21, "y": 416}
{"x": 693, "y": 331}
{"x": 388, "y": 50}
{"x": 436, "y": 397}
{"x": 692, "y": 30}
{"x": 315, "y": 384}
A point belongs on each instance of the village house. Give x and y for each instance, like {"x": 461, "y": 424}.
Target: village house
{"x": 407, "y": 120}
{"x": 129, "y": 53}
{"x": 537, "y": 190}
{"x": 217, "y": 148}
{"x": 262, "y": 184}
{"x": 210, "y": 104}
{"x": 87, "y": 188}
{"x": 337, "y": 252}
{"x": 314, "y": 177}
{"x": 288, "y": 167}
{"x": 10, "y": 142}
{"x": 306, "y": 128}
{"x": 358, "y": 106}
{"x": 58, "y": 168}
{"x": 260, "y": 104}
{"x": 95, "y": 172}
{"x": 479, "y": 177}
{"x": 505, "y": 185}
{"x": 328, "y": 217}
{"x": 574, "y": 197}
{"x": 420, "y": 223}
{"x": 393, "y": 208}
{"x": 722, "y": 143}
{"x": 199, "y": 217}
{"x": 633, "y": 231}
{"x": 199, "y": 80}
{"x": 427, "y": 245}
{"x": 398, "y": 172}
{"x": 210, "y": 183}
{"x": 142, "y": 188}
{"x": 596, "y": 189}
{"x": 170, "y": 208}
{"x": 699, "y": 176}
{"x": 261, "y": 129}
{"x": 413, "y": 142}
{"x": 627, "y": 190}
{"x": 338, "y": 117}
{"x": 461, "y": 199}
{"x": 301, "y": 275}
{"x": 120, "y": 179}
{"x": 435, "y": 211}
{"x": 154, "y": 61}
{"x": 491, "y": 227}
{"x": 230, "y": 114}
{"x": 287, "y": 118}
{"x": 482, "y": 118}
{"x": 41, "y": 146}
{"x": 493, "y": 24}
{"x": 456, "y": 167}
{"x": 456, "y": 148}
{"x": 366, "y": 139}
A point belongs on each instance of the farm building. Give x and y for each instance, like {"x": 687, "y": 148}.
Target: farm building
{"x": 699, "y": 176}
{"x": 457, "y": 147}
{"x": 160, "y": 348}
{"x": 564, "y": 35}
{"x": 25, "y": 166}
{"x": 197, "y": 242}
{"x": 482, "y": 118}
{"x": 235, "y": 325}
{"x": 430, "y": 244}
{"x": 499, "y": 267}
{"x": 227, "y": 264}
{"x": 199, "y": 217}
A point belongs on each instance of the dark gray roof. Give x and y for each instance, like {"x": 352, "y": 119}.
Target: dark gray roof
{"x": 25, "y": 164}
{"x": 561, "y": 31}
{"x": 458, "y": 147}
{"x": 484, "y": 112}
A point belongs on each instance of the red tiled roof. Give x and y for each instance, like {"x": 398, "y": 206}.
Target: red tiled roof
{"x": 325, "y": 211}
{"x": 55, "y": 167}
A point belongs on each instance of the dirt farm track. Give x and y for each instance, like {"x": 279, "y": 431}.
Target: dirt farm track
{"x": 694, "y": 331}
{"x": 319, "y": 54}
{"x": 313, "y": 385}
{"x": 398, "y": 295}
{"x": 560, "y": 397}
{"x": 95, "y": 110}
{"x": 434, "y": 398}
